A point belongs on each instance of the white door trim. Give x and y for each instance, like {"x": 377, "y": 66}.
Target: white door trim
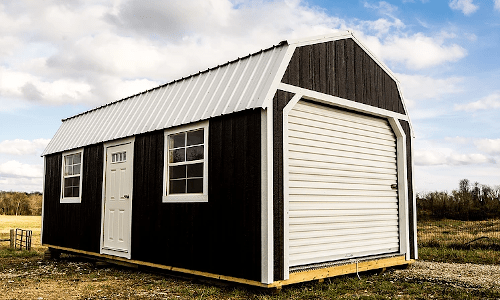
{"x": 107, "y": 145}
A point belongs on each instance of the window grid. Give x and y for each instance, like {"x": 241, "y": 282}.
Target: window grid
{"x": 72, "y": 166}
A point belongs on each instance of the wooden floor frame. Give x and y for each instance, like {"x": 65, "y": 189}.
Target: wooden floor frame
{"x": 297, "y": 277}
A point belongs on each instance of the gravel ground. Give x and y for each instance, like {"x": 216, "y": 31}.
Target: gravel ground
{"x": 465, "y": 275}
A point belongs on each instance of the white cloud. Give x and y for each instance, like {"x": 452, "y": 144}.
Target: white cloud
{"x": 489, "y": 102}
{"x": 417, "y": 51}
{"x": 466, "y": 6}
{"x": 448, "y": 157}
{"x": 383, "y": 7}
{"x": 21, "y": 184}
{"x": 491, "y": 146}
{"x": 420, "y": 87}
{"x": 14, "y": 168}
{"x": 23, "y": 147}
{"x": 497, "y": 5}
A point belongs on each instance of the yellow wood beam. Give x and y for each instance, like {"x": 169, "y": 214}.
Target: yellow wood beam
{"x": 297, "y": 277}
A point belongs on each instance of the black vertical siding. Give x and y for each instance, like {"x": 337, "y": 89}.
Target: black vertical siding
{"x": 280, "y": 100}
{"x": 342, "y": 68}
{"x": 221, "y": 236}
{"x": 411, "y": 199}
{"x": 74, "y": 225}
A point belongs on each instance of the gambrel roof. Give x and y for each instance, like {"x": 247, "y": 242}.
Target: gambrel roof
{"x": 246, "y": 83}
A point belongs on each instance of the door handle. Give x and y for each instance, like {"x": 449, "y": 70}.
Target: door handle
{"x": 126, "y": 196}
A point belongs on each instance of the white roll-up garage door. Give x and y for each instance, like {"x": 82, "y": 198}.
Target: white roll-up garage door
{"x": 341, "y": 169}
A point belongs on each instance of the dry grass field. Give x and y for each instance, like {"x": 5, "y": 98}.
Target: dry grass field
{"x": 460, "y": 241}
{"x": 26, "y": 275}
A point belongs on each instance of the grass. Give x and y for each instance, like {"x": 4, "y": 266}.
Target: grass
{"x": 76, "y": 277}
{"x": 33, "y": 223}
{"x": 460, "y": 241}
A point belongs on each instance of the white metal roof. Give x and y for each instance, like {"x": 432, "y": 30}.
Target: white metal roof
{"x": 235, "y": 86}
{"x": 246, "y": 83}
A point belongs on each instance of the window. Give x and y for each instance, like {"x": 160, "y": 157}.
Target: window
{"x": 186, "y": 165}
{"x": 72, "y": 163}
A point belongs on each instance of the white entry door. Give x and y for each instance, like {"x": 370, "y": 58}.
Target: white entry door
{"x": 117, "y": 221}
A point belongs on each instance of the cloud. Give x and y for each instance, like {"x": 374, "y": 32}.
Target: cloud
{"x": 416, "y": 51}
{"x": 489, "y": 102}
{"x": 23, "y": 147}
{"x": 439, "y": 157}
{"x": 466, "y": 6}
{"x": 497, "y": 5}
{"x": 491, "y": 146}
{"x": 14, "y": 168}
{"x": 421, "y": 87}
{"x": 383, "y": 8}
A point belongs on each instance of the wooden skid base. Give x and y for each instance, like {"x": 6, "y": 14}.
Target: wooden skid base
{"x": 303, "y": 276}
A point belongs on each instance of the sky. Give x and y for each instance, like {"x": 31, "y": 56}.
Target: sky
{"x": 60, "y": 57}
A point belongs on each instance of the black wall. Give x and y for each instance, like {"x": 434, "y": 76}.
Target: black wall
{"x": 280, "y": 100}
{"x": 343, "y": 69}
{"x": 221, "y": 236}
{"x": 74, "y": 225}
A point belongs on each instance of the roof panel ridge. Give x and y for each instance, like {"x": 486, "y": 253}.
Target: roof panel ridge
{"x": 282, "y": 43}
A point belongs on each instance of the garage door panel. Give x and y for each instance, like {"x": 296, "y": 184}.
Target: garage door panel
{"x": 340, "y": 167}
{"x": 334, "y": 126}
{"x": 309, "y": 138}
{"x": 302, "y": 169}
{"x": 325, "y": 152}
{"x": 300, "y": 229}
{"x": 304, "y": 128}
{"x": 302, "y": 222}
{"x": 341, "y": 147}
{"x": 341, "y": 173}
{"x": 315, "y": 109}
{"x": 339, "y": 179}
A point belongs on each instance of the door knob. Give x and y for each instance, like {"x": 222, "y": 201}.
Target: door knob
{"x": 125, "y": 196}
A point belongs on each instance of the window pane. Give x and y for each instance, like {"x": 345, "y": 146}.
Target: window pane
{"x": 194, "y": 153}
{"x": 195, "y": 137}
{"x": 195, "y": 185}
{"x": 177, "y": 172}
{"x": 68, "y": 192}
{"x": 68, "y": 182}
{"x": 68, "y": 160}
{"x": 76, "y": 169}
{"x": 76, "y": 191}
{"x": 77, "y": 158}
{"x": 177, "y": 140}
{"x": 68, "y": 170}
{"x": 177, "y": 155}
{"x": 195, "y": 170}
{"x": 178, "y": 186}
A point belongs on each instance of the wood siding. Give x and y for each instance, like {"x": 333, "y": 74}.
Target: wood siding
{"x": 343, "y": 69}
{"x": 221, "y": 236}
{"x": 74, "y": 225}
{"x": 280, "y": 100}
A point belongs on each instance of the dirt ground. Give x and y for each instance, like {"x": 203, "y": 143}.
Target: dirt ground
{"x": 78, "y": 278}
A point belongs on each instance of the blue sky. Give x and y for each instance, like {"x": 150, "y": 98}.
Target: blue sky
{"x": 59, "y": 58}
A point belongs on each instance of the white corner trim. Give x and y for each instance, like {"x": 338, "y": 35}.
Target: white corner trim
{"x": 341, "y": 102}
{"x": 268, "y": 101}
{"x": 286, "y": 198}
{"x": 404, "y": 229}
{"x": 267, "y": 228}
{"x": 414, "y": 200}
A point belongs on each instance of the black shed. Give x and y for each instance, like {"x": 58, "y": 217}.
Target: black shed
{"x": 290, "y": 164}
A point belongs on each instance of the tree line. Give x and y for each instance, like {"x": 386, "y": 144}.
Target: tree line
{"x": 470, "y": 202}
{"x": 19, "y": 203}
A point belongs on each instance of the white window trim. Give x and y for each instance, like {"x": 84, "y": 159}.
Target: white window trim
{"x": 71, "y": 199}
{"x": 187, "y": 197}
